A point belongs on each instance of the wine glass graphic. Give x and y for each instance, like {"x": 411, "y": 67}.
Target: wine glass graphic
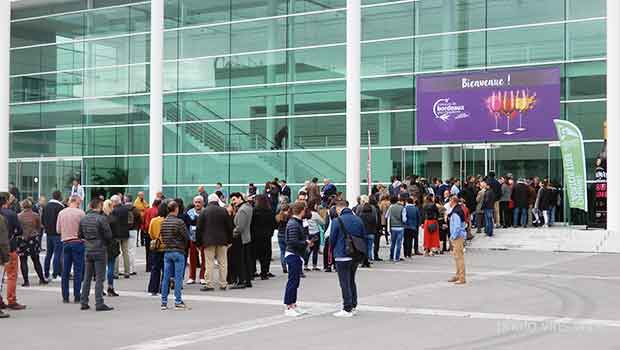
{"x": 508, "y": 109}
{"x": 495, "y": 105}
{"x": 522, "y": 104}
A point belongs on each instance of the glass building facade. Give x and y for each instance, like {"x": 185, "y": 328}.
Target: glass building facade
{"x": 256, "y": 89}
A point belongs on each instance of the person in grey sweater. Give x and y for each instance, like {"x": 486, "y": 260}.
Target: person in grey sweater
{"x": 95, "y": 230}
{"x": 241, "y": 257}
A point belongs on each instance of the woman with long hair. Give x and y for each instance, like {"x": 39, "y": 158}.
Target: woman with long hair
{"x": 315, "y": 223}
{"x": 262, "y": 227}
{"x": 431, "y": 226}
{"x": 282, "y": 219}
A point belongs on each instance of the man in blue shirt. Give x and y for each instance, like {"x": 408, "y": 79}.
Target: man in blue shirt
{"x": 458, "y": 234}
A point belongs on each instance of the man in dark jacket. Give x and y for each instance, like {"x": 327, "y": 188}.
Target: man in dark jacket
{"x": 346, "y": 223}
{"x": 411, "y": 222}
{"x": 520, "y": 199}
{"x": 496, "y": 187}
{"x": 175, "y": 238}
{"x": 14, "y": 229}
{"x": 488, "y": 207}
{"x": 54, "y": 245}
{"x": 214, "y": 233}
{"x": 121, "y": 217}
{"x": 241, "y": 257}
{"x": 96, "y": 233}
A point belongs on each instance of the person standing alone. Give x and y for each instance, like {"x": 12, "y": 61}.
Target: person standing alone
{"x": 458, "y": 234}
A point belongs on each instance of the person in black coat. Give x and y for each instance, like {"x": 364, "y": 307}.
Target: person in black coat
{"x": 262, "y": 228}
{"x": 520, "y": 195}
{"x": 53, "y": 243}
{"x": 214, "y": 230}
{"x": 121, "y": 215}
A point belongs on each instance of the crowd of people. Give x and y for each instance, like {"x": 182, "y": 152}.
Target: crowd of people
{"x": 234, "y": 233}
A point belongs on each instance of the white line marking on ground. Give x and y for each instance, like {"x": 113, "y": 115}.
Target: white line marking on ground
{"x": 321, "y": 308}
{"x": 215, "y": 333}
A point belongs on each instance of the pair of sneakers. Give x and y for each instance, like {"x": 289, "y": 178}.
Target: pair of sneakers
{"x": 345, "y": 314}
{"x": 295, "y": 312}
{"x": 180, "y": 306}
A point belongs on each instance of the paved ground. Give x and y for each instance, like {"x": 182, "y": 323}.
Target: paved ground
{"x": 514, "y": 300}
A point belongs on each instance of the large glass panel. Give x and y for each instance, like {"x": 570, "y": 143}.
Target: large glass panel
{"x": 586, "y": 9}
{"x": 387, "y": 57}
{"x": 43, "y": 87}
{"x": 509, "y": 12}
{"x": 525, "y": 45}
{"x": 304, "y": 165}
{"x": 48, "y": 58}
{"x": 198, "y": 42}
{"x": 387, "y": 129}
{"x": 586, "y": 40}
{"x": 181, "y": 13}
{"x": 589, "y": 117}
{"x": 263, "y": 165}
{"x": 25, "y": 117}
{"x": 317, "y": 29}
{"x": 438, "y": 16}
{"x": 111, "y": 111}
{"x": 19, "y": 10}
{"x": 399, "y": 16}
{"x": 197, "y": 169}
{"x": 57, "y": 143}
{"x": 522, "y": 160}
{"x": 107, "y": 81}
{"x": 116, "y": 171}
{"x": 585, "y": 80}
{"x": 116, "y": 141}
{"x": 47, "y": 30}
{"x": 62, "y": 114}
{"x": 388, "y": 93}
{"x": 450, "y": 52}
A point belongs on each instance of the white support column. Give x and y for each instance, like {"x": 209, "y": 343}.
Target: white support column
{"x": 613, "y": 123}
{"x": 157, "y": 99}
{"x": 5, "y": 65}
{"x": 354, "y": 29}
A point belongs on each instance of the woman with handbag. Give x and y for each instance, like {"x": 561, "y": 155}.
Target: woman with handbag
{"x": 431, "y": 226}
{"x": 156, "y": 249}
{"x": 30, "y": 242}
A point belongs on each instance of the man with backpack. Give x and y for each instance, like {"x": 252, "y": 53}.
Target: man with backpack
{"x": 347, "y": 255}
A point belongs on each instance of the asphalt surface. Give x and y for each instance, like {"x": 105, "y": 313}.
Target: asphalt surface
{"x": 513, "y": 300}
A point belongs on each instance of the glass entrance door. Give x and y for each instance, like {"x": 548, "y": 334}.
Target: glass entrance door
{"x": 36, "y": 177}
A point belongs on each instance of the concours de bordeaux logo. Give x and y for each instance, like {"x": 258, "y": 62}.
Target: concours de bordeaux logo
{"x": 445, "y": 110}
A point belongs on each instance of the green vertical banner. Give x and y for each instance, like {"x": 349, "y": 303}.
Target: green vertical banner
{"x": 574, "y": 161}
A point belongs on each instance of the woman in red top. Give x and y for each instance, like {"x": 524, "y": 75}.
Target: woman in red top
{"x": 149, "y": 214}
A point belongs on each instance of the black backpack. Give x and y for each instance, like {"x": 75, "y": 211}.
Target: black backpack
{"x": 356, "y": 247}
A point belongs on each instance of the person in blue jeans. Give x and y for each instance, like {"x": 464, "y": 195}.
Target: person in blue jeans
{"x": 53, "y": 247}
{"x": 296, "y": 247}
{"x": 396, "y": 215}
{"x": 282, "y": 219}
{"x": 175, "y": 238}
{"x": 347, "y": 223}
{"x": 488, "y": 206}
{"x": 73, "y": 255}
